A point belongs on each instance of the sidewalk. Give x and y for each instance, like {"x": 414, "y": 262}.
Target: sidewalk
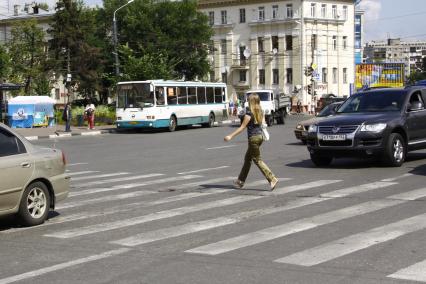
{"x": 58, "y": 131}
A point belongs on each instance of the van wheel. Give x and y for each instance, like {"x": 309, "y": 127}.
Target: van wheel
{"x": 34, "y": 205}
{"x": 210, "y": 123}
{"x": 281, "y": 117}
{"x": 172, "y": 123}
{"x": 395, "y": 151}
{"x": 321, "y": 161}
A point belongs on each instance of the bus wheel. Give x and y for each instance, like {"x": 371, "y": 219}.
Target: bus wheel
{"x": 172, "y": 123}
{"x": 211, "y": 121}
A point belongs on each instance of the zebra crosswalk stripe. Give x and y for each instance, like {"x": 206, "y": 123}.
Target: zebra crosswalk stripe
{"x": 132, "y": 185}
{"x": 119, "y": 179}
{"x": 99, "y": 176}
{"x": 415, "y": 272}
{"x": 356, "y": 242}
{"x": 81, "y": 173}
{"x": 150, "y": 217}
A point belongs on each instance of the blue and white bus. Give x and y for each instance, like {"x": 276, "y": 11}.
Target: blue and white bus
{"x": 168, "y": 104}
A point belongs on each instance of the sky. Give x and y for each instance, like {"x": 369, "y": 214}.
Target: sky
{"x": 405, "y": 19}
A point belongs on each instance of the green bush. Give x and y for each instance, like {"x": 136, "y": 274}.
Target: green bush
{"x": 103, "y": 115}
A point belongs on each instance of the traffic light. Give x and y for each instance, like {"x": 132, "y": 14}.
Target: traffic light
{"x": 310, "y": 89}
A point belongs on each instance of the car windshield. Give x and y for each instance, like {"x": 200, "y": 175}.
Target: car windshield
{"x": 134, "y": 96}
{"x": 328, "y": 110}
{"x": 263, "y": 96}
{"x": 373, "y": 102}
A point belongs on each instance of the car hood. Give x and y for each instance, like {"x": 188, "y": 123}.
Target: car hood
{"x": 357, "y": 118}
{"x": 311, "y": 121}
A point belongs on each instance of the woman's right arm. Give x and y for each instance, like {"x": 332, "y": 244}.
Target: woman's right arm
{"x": 240, "y": 129}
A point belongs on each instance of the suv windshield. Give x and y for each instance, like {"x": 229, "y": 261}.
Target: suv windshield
{"x": 328, "y": 110}
{"x": 373, "y": 102}
{"x": 263, "y": 96}
{"x": 134, "y": 96}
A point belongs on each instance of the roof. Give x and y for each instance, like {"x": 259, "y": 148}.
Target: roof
{"x": 32, "y": 100}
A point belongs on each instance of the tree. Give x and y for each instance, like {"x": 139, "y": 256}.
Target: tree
{"x": 164, "y": 39}
{"x": 4, "y": 63}
{"x": 27, "y": 52}
{"x": 74, "y": 45}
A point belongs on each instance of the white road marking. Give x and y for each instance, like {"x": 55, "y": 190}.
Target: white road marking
{"x": 148, "y": 218}
{"x": 132, "y": 185}
{"x": 410, "y": 195}
{"x": 91, "y": 133}
{"x": 198, "y": 183}
{"x": 31, "y": 138}
{"x": 61, "y": 266}
{"x": 75, "y": 164}
{"x": 292, "y": 188}
{"x": 221, "y": 147}
{"x": 356, "y": 242}
{"x": 415, "y": 272}
{"x": 212, "y": 223}
{"x": 357, "y": 189}
{"x": 103, "y": 199}
{"x": 398, "y": 177}
{"x": 203, "y": 170}
{"x": 304, "y": 224}
{"x": 119, "y": 179}
{"x": 81, "y": 173}
{"x": 99, "y": 176}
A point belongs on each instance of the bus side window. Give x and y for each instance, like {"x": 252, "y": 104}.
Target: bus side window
{"x": 201, "y": 95}
{"x": 210, "y": 95}
{"x": 192, "y": 96}
{"x": 159, "y": 96}
{"x": 218, "y": 95}
{"x": 182, "y": 97}
{"x": 171, "y": 96}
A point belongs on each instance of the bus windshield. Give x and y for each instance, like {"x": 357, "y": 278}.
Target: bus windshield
{"x": 134, "y": 95}
{"x": 263, "y": 96}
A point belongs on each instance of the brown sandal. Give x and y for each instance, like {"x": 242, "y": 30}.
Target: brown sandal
{"x": 238, "y": 184}
{"x": 273, "y": 183}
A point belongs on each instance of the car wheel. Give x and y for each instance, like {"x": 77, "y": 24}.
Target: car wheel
{"x": 395, "y": 150}
{"x": 35, "y": 204}
{"x": 321, "y": 161}
{"x": 211, "y": 121}
{"x": 172, "y": 123}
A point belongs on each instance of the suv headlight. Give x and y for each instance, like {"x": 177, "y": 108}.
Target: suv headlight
{"x": 377, "y": 127}
{"x": 312, "y": 128}
{"x": 267, "y": 111}
{"x": 299, "y": 126}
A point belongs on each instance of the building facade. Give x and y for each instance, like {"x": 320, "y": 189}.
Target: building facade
{"x": 26, "y": 12}
{"x": 411, "y": 53}
{"x": 274, "y": 44}
{"x": 359, "y": 17}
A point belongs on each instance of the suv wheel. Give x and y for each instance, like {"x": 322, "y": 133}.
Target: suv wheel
{"x": 321, "y": 161}
{"x": 395, "y": 150}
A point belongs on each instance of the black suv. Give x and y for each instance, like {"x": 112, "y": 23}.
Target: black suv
{"x": 381, "y": 122}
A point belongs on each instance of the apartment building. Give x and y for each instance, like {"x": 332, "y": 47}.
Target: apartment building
{"x": 411, "y": 53}
{"x": 269, "y": 44}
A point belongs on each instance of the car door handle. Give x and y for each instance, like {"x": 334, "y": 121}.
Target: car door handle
{"x": 25, "y": 165}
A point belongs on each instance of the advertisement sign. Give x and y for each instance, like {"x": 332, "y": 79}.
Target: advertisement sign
{"x": 379, "y": 75}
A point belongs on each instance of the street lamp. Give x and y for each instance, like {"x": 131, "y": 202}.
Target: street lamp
{"x": 114, "y": 23}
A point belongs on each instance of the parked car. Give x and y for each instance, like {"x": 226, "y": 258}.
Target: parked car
{"x": 32, "y": 178}
{"x": 386, "y": 123}
{"x": 301, "y": 131}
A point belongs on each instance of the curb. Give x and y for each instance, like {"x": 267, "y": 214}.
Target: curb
{"x": 67, "y": 135}
{"x": 100, "y": 132}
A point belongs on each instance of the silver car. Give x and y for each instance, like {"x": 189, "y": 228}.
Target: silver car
{"x": 32, "y": 178}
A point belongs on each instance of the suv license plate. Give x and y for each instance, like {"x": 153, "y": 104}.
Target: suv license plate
{"x": 339, "y": 137}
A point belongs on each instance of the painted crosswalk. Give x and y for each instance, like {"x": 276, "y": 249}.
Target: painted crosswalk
{"x": 175, "y": 197}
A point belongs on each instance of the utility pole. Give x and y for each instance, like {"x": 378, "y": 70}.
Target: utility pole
{"x": 68, "y": 79}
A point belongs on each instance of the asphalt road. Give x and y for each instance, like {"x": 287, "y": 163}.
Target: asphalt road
{"x": 158, "y": 207}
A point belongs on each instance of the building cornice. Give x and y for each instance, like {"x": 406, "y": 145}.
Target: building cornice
{"x": 204, "y": 4}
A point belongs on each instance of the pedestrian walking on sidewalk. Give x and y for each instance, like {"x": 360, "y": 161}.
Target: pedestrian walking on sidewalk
{"x": 253, "y": 120}
{"x": 89, "y": 112}
{"x": 67, "y": 117}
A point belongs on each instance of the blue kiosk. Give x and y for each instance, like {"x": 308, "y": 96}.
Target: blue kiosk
{"x": 31, "y": 111}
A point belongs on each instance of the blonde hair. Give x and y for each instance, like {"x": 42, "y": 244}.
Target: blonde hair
{"x": 255, "y": 108}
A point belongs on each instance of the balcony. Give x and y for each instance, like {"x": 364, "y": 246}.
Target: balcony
{"x": 241, "y": 85}
{"x": 240, "y": 64}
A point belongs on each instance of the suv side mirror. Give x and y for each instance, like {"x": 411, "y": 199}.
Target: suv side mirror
{"x": 415, "y": 106}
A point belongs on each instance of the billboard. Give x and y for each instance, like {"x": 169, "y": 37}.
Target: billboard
{"x": 379, "y": 75}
